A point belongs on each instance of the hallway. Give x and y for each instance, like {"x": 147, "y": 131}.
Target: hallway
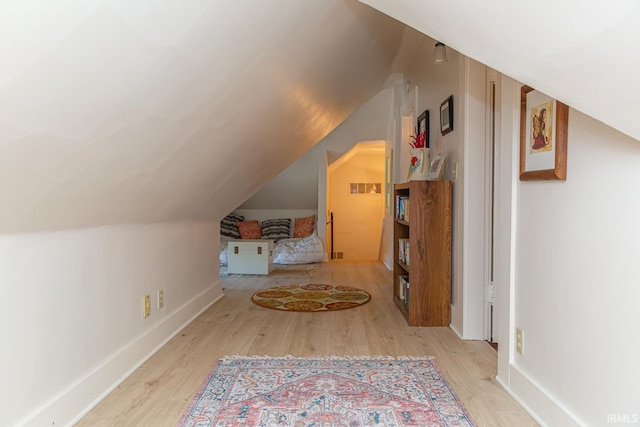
{"x": 158, "y": 392}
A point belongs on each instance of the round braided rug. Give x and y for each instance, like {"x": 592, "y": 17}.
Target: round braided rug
{"x": 311, "y": 298}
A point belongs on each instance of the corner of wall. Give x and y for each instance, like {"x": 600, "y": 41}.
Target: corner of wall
{"x": 79, "y": 398}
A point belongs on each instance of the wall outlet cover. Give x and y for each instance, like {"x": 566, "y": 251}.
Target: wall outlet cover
{"x": 520, "y": 341}
{"x": 160, "y": 299}
{"x": 146, "y": 306}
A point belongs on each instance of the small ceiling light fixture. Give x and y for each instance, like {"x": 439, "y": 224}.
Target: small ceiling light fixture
{"x": 440, "y": 53}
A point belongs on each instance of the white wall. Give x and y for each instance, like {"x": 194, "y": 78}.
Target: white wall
{"x": 465, "y": 146}
{"x": 435, "y": 83}
{"x": 575, "y": 286}
{"x": 71, "y": 310}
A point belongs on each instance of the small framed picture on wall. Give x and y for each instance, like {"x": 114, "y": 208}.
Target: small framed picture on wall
{"x": 543, "y": 136}
{"x": 436, "y": 167}
{"x": 446, "y": 116}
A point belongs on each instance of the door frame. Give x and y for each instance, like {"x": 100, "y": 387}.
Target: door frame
{"x": 492, "y": 137}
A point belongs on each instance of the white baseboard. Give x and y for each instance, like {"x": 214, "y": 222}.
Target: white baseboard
{"x": 456, "y": 315}
{"x": 81, "y": 396}
{"x": 545, "y": 409}
{"x": 388, "y": 262}
{"x": 521, "y": 402}
{"x": 456, "y": 331}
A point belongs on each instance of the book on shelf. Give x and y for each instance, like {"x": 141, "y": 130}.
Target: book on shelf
{"x": 402, "y": 208}
{"x": 403, "y": 250}
{"x": 406, "y": 209}
{"x": 403, "y": 287}
{"x": 403, "y": 292}
{"x": 406, "y": 297}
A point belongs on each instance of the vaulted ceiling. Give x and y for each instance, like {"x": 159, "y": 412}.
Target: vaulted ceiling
{"x": 124, "y": 111}
{"x": 120, "y": 111}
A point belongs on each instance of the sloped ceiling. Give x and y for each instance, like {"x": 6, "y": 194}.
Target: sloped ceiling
{"x": 582, "y": 52}
{"x": 297, "y": 186}
{"x": 120, "y": 111}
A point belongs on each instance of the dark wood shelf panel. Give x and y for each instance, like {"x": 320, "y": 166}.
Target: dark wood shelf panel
{"x": 403, "y": 266}
{"x": 402, "y": 186}
{"x": 429, "y": 234}
{"x": 400, "y": 305}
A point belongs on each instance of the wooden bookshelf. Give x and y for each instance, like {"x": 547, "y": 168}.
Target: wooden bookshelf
{"x": 428, "y": 230}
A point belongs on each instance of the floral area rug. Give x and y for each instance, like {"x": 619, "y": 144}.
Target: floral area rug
{"x": 311, "y": 297}
{"x": 353, "y": 392}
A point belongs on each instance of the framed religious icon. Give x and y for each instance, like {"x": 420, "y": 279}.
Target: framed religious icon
{"x": 543, "y": 136}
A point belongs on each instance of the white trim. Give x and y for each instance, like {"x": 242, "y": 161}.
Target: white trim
{"x": 471, "y": 112}
{"x": 521, "y": 402}
{"x": 74, "y": 402}
{"x": 456, "y": 331}
{"x": 387, "y": 261}
{"x": 505, "y": 211}
{"x": 489, "y": 180}
{"x": 547, "y": 409}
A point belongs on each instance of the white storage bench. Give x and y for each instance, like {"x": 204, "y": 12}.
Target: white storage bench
{"x": 250, "y": 256}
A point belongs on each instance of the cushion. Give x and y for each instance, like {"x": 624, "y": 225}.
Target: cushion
{"x": 304, "y": 226}
{"x": 228, "y": 226}
{"x": 276, "y": 229}
{"x": 249, "y": 229}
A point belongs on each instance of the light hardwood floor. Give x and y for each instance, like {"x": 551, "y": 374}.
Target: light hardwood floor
{"x": 158, "y": 392}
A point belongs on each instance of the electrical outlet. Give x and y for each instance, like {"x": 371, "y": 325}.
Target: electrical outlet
{"x": 160, "y": 299}
{"x": 520, "y": 341}
{"x": 146, "y": 306}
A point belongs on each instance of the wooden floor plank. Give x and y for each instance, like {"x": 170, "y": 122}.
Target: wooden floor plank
{"x": 158, "y": 392}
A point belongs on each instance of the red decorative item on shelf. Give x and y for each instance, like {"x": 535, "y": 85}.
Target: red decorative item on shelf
{"x": 418, "y": 140}
{"x": 419, "y": 167}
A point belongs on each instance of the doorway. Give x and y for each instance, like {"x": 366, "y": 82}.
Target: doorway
{"x": 355, "y": 202}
